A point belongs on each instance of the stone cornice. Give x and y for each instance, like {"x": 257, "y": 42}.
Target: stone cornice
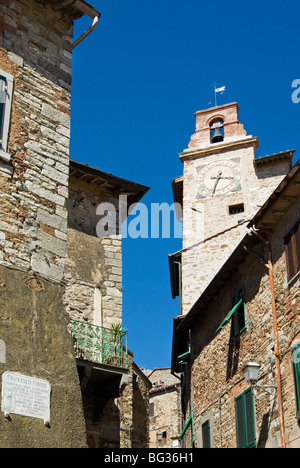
{"x": 217, "y": 148}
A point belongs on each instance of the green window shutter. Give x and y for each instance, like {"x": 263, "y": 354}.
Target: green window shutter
{"x": 250, "y": 419}
{"x": 237, "y": 314}
{"x": 206, "y": 435}
{"x": 240, "y": 425}
{"x": 239, "y": 318}
{"x": 245, "y": 420}
{"x": 296, "y": 372}
{"x": 229, "y": 316}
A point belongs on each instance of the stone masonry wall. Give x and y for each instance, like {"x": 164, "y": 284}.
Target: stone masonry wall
{"x": 35, "y": 47}
{"x": 93, "y": 279}
{"x": 210, "y": 232}
{"x": 216, "y": 372}
{"x": 165, "y": 396}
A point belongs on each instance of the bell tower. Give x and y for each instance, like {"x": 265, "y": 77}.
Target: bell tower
{"x": 222, "y": 187}
{"x": 209, "y": 123}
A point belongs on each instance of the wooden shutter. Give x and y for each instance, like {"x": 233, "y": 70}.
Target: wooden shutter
{"x": 245, "y": 420}
{"x": 297, "y": 245}
{"x": 292, "y": 250}
{"x": 240, "y": 425}
{"x": 250, "y": 418}
{"x": 296, "y": 372}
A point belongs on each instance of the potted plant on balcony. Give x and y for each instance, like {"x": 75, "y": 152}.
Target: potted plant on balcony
{"x": 117, "y": 334}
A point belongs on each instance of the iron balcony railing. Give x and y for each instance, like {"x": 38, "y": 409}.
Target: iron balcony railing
{"x": 98, "y": 344}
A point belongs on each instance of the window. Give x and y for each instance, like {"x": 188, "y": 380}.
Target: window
{"x": 151, "y": 410}
{"x": 292, "y": 251}
{"x": 206, "y": 435}
{"x": 245, "y": 420}
{"x": 296, "y": 372}
{"x": 236, "y": 209}
{"x": 6, "y": 88}
{"x": 237, "y": 314}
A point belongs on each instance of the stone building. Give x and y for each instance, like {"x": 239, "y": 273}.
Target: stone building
{"x": 247, "y": 315}
{"x": 164, "y": 409}
{"x": 222, "y": 186}
{"x": 115, "y": 391}
{"x": 48, "y": 277}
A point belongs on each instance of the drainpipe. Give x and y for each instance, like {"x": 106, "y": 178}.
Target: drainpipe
{"x": 269, "y": 265}
{"x": 87, "y": 9}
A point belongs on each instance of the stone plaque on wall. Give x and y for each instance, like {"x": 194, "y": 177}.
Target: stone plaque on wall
{"x": 26, "y": 396}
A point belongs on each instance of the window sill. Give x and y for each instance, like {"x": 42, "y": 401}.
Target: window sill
{"x": 4, "y": 156}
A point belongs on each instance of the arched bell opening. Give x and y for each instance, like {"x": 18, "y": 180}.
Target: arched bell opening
{"x": 217, "y": 131}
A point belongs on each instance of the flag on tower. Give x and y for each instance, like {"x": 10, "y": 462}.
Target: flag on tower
{"x": 220, "y": 90}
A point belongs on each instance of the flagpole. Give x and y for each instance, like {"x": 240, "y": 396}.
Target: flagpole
{"x": 215, "y": 94}
{"x": 218, "y": 90}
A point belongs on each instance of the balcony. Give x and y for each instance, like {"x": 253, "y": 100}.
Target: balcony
{"x": 100, "y": 345}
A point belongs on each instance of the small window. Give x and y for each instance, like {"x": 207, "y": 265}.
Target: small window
{"x": 6, "y": 89}
{"x": 296, "y": 373}
{"x": 206, "y": 435}
{"x": 236, "y": 209}
{"x": 245, "y": 420}
{"x": 292, "y": 251}
{"x": 151, "y": 410}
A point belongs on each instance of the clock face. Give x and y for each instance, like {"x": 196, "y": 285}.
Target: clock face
{"x": 218, "y": 178}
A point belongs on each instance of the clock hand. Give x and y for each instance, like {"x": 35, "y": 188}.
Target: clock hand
{"x": 217, "y": 181}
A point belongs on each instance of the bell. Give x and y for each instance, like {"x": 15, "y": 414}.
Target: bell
{"x": 217, "y": 136}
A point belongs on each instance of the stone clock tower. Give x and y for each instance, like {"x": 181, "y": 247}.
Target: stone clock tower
{"x": 222, "y": 187}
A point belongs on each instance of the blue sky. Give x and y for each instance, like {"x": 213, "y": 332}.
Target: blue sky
{"x": 139, "y": 78}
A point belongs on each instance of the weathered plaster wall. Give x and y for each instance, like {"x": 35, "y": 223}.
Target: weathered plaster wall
{"x": 33, "y": 327}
